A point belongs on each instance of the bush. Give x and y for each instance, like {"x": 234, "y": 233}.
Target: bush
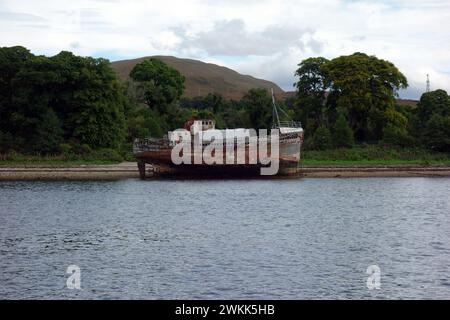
{"x": 321, "y": 139}
{"x": 6, "y": 142}
{"x": 145, "y": 123}
{"x": 65, "y": 148}
{"x": 47, "y": 135}
{"x": 343, "y": 134}
{"x": 397, "y": 136}
{"x": 437, "y": 133}
{"x": 126, "y": 151}
{"x": 81, "y": 149}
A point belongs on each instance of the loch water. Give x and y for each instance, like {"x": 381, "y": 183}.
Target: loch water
{"x": 226, "y": 239}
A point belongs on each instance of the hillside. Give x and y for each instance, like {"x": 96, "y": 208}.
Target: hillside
{"x": 407, "y": 102}
{"x": 203, "y": 78}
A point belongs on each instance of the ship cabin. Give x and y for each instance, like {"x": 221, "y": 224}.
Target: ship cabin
{"x": 195, "y": 126}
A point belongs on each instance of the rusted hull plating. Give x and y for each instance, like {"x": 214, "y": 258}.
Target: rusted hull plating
{"x": 157, "y": 152}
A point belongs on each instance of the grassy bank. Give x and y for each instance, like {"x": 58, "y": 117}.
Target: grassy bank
{"x": 61, "y": 160}
{"x": 368, "y": 155}
{"x": 358, "y": 156}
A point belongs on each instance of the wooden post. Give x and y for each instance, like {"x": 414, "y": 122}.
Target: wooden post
{"x": 141, "y": 167}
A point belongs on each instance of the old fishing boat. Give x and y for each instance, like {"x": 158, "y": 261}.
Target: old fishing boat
{"x": 230, "y": 157}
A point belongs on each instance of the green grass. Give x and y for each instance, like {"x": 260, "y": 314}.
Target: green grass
{"x": 368, "y": 155}
{"x": 61, "y": 160}
{"x": 55, "y": 163}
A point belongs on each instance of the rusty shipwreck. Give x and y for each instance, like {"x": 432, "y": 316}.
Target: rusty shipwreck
{"x": 244, "y": 161}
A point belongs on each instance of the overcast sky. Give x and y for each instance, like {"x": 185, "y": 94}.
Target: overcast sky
{"x": 265, "y": 39}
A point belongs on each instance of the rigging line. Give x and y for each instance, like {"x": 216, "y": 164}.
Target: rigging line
{"x": 278, "y": 107}
{"x": 284, "y": 112}
{"x": 275, "y": 107}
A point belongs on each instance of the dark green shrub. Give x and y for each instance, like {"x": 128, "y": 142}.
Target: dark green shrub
{"x": 6, "y": 142}
{"x": 321, "y": 139}
{"x": 397, "y": 136}
{"x": 343, "y": 134}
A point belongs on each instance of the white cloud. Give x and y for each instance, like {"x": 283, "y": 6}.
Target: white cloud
{"x": 231, "y": 38}
{"x": 265, "y": 38}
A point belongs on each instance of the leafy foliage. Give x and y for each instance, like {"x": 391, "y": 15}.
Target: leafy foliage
{"x": 76, "y": 107}
{"x": 435, "y": 102}
{"x": 437, "y": 132}
{"x": 394, "y": 135}
{"x": 258, "y": 104}
{"x": 45, "y": 101}
{"x": 360, "y": 86}
{"x": 321, "y": 139}
{"x": 159, "y": 85}
{"x": 343, "y": 134}
{"x": 311, "y": 92}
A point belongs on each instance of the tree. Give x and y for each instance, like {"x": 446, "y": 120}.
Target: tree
{"x": 434, "y": 102}
{"x": 311, "y": 92}
{"x": 48, "y": 100}
{"x": 321, "y": 139}
{"x": 25, "y": 105}
{"x": 213, "y": 102}
{"x": 6, "y": 142}
{"x": 158, "y": 84}
{"x": 12, "y": 59}
{"x": 395, "y": 132}
{"x": 235, "y": 116}
{"x": 365, "y": 87}
{"x": 258, "y": 105}
{"x": 394, "y": 135}
{"x": 48, "y": 134}
{"x": 311, "y": 78}
{"x": 89, "y": 99}
{"x": 437, "y": 133}
{"x": 429, "y": 118}
{"x": 343, "y": 134}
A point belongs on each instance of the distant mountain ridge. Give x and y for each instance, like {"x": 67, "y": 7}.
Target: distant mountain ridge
{"x": 203, "y": 78}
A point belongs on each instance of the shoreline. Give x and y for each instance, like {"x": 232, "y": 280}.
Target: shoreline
{"x": 129, "y": 170}
{"x": 375, "y": 171}
{"x": 119, "y": 171}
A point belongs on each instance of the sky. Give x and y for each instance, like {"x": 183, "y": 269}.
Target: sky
{"x": 262, "y": 38}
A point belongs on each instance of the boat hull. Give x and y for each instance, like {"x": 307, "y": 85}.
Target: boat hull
{"x": 158, "y": 152}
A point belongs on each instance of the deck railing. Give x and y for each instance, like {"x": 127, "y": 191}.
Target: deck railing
{"x": 287, "y": 124}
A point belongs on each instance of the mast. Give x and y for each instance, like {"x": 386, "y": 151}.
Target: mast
{"x": 275, "y": 111}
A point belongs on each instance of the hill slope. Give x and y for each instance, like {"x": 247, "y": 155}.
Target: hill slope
{"x": 203, "y": 78}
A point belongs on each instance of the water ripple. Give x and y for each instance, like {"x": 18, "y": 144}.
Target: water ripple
{"x": 292, "y": 239}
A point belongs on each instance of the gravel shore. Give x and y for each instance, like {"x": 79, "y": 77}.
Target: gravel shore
{"x": 388, "y": 171}
{"x": 95, "y": 172}
{"x": 129, "y": 170}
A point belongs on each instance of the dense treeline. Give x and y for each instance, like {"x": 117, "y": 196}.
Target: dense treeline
{"x": 341, "y": 102}
{"x": 353, "y": 99}
{"x": 76, "y": 105}
{"x": 48, "y": 105}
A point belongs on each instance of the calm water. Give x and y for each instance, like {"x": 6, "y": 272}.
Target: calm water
{"x": 292, "y": 239}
